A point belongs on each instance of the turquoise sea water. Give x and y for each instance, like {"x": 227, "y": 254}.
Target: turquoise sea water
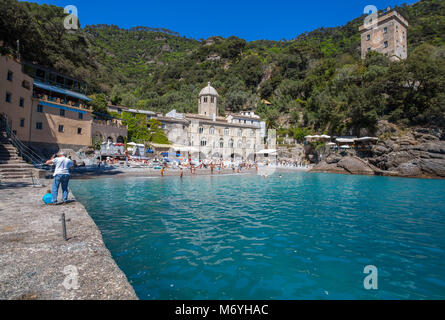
{"x": 305, "y": 236}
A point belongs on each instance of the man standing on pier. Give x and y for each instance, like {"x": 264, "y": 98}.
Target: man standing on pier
{"x": 61, "y": 175}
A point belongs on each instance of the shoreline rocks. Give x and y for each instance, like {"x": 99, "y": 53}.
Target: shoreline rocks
{"x": 418, "y": 153}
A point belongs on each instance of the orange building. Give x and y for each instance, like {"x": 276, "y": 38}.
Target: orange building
{"x": 49, "y": 111}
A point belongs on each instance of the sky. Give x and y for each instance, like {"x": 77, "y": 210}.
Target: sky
{"x": 246, "y": 19}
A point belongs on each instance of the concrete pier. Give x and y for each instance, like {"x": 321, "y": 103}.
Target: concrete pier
{"x": 37, "y": 263}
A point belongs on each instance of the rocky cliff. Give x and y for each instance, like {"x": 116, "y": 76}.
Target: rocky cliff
{"x": 416, "y": 152}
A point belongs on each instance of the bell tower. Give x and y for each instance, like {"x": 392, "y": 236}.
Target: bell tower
{"x": 208, "y": 102}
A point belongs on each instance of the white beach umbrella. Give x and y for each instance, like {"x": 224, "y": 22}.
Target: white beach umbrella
{"x": 267, "y": 151}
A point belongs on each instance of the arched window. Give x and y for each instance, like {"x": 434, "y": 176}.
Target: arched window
{"x": 203, "y": 142}
{"x": 212, "y": 100}
{"x": 231, "y": 143}
{"x": 226, "y": 131}
{"x": 248, "y": 144}
{"x": 212, "y": 130}
{"x": 240, "y": 144}
{"x": 252, "y": 133}
{"x": 240, "y": 132}
{"x": 205, "y": 99}
{"x": 200, "y": 130}
{"x": 221, "y": 143}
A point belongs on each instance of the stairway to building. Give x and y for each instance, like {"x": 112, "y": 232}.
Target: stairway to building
{"x": 12, "y": 165}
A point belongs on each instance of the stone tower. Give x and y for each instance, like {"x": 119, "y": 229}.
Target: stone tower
{"x": 208, "y": 101}
{"x": 387, "y": 36}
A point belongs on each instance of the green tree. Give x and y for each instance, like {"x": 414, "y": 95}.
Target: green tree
{"x": 99, "y": 103}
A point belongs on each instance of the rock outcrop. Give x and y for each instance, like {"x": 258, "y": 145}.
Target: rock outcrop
{"x": 418, "y": 152}
{"x": 347, "y": 165}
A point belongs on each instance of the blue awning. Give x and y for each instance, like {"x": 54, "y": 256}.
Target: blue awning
{"x": 49, "y": 87}
{"x": 49, "y": 104}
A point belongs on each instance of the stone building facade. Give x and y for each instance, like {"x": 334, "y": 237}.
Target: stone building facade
{"x": 388, "y": 36}
{"x": 47, "y": 111}
{"x": 235, "y": 137}
{"x": 15, "y": 96}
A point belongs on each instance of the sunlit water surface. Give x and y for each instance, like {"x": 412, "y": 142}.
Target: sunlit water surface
{"x": 305, "y": 236}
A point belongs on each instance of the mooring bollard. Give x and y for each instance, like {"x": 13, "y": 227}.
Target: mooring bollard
{"x": 64, "y": 226}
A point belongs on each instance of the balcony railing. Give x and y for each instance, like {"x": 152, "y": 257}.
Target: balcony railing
{"x": 61, "y": 101}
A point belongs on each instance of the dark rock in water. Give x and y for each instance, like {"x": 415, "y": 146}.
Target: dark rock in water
{"x": 355, "y": 166}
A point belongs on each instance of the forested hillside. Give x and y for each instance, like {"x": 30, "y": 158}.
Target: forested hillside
{"x": 316, "y": 81}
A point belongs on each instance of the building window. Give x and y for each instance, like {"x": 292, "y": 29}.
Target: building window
{"x": 369, "y": 49}
{"x": 386, "y": 44}
{"x": 368, "y": 37}
{"x": 221, "y": 143}
{"x": 81, "y": 116}
{"x": 212, "y": 130}
{"x": 39, "y": 108}
{"x": 205, "y": 99}
{"x": 14, "y": 132}
{"x": 62, "y": 112}
{"x": 26, "y": 84}
{"x": 79, "y": 130}
{"x": 212, "y": 100}
{"x": 163, "y": 126}
{"x": 248, "y": 144}
{"x": 385, "y": 30}
{"x": 240, "y": 133}
{"x": 231, "y": 143}
{"x": 252, "y": 133}
{"x": 22, "y": 122}
{"x": 39, "y": 126}
{"x": 60, "y": 128}
{"x": 240, "y": 144}
{"x": 203, "y": 142}
{"x": 226, "y": 131}
{"x": 22, "y": 102}
{"x": 200, "y": 130}
{"x": 8, "y": 97}
{"x": 9, "y": 75}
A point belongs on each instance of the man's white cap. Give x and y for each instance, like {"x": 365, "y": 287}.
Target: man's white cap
{"x": 61, "y": 153}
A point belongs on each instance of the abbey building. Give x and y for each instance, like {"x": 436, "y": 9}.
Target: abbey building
{"x": 236, "y": 136}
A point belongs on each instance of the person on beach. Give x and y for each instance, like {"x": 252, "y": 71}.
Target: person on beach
{"x": 181, "y": 172}
{"x": 126, "y": 158}
{"x": 162, "y": 171}
{"x": 61, "y": 176}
